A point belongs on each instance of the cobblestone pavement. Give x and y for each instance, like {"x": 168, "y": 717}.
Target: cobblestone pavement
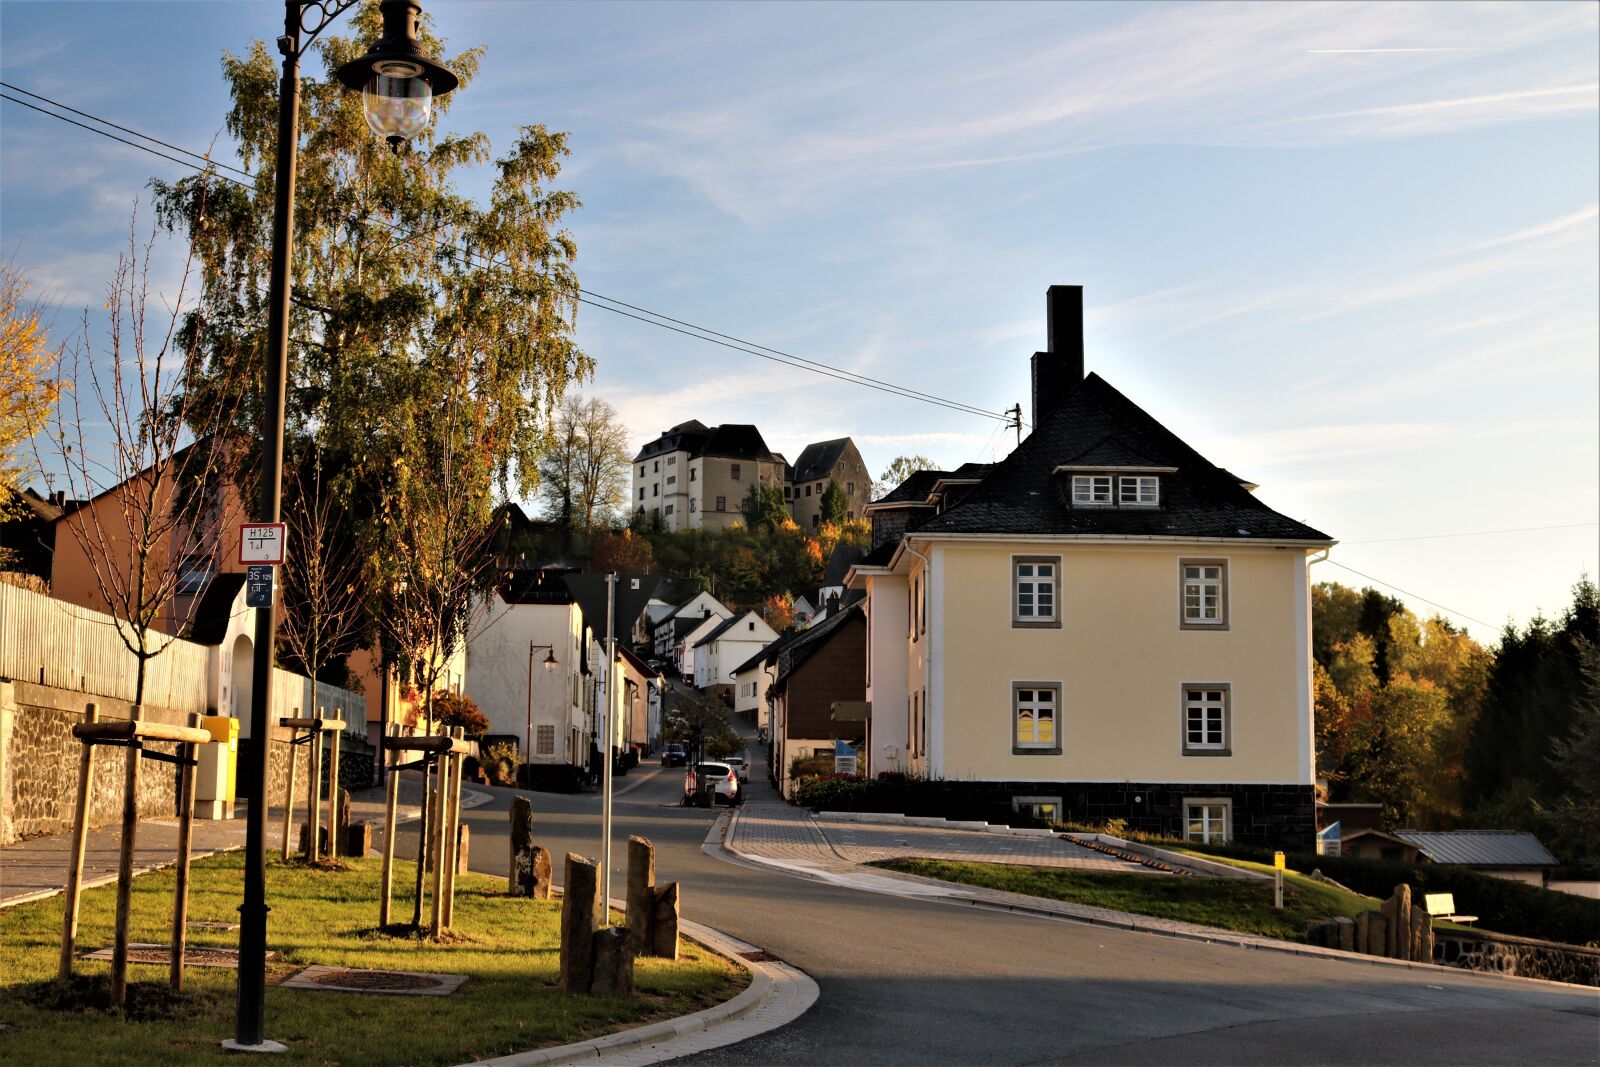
{"x": 780, "y": 831}
{"x": 37, "y": 867}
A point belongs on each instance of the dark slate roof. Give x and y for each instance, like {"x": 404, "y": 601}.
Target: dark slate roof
{"x": 536, "y": 585}
{"x": 1481, "y": 848}
{"x": 915, "y": 489}
{"x": 211, "y": 615}
{"x": 1112, "y": 451}
{"x": 733, "y": 440}
{"x": 727, "y": 624}
{"x": 773, "y": 649}
{"x": 844, "y": 557}
{"x": 801, "y": 649}
{"x": 1023, "y": 495}
{"x": 880, "y": 556}
{"x": 688, "y": 436}
{"x": 637, "y": 662}
{"x": 818, "y": 459}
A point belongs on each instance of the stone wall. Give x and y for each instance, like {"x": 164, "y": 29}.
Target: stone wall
{"x": 39, "y": 780}
{"x": 1526, "y": 958}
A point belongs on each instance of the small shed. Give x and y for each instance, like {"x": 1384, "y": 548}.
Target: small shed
{"x": 1513, "y": 854}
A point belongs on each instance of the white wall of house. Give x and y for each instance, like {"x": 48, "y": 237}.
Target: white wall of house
{"x": 750, "y": 693}
{"x": 732, "y": 647}
{"x": 497, "y": 677}
{"x": 687, "y": 653}
{"x": 887, "y": 653}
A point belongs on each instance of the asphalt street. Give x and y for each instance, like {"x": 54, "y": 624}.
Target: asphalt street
{"x": 916, "y": 981}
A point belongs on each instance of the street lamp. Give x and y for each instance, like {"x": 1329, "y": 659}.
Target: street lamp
{"x": 398, "y": 84}
{"x": 527, "y": 744}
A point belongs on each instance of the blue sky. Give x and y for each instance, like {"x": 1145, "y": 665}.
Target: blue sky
{"x": 1349, "y": 251}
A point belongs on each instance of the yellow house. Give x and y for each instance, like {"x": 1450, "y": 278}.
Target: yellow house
{"x": 1104, "y": 625}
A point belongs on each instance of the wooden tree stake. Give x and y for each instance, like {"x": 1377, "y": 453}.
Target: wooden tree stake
{"x": 334, "y": 824}
{"x": 288, "y": 791}
{"x": 180, "y": 891}
{"x": 389, "y": 805}
{"x": 80, "y": 837}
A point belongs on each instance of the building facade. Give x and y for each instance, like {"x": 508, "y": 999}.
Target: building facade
{"x": 695, "y": 477}
{"x": 1103, "y": 625}
{"x": 837, "y": 461}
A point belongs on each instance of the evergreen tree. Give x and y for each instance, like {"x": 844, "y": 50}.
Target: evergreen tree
{"x": 835, "y": 505}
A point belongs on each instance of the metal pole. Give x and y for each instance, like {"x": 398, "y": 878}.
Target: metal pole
{"x": 527, "y": 743}
{"x": 250, "y": 1021}
{"x": 605, "y": 758}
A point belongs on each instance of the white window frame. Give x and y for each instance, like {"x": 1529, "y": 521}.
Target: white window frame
{"x": 1031, "y": 585}
{"x": 1086, "y": 491}
{"x": 1205, "y": 746}
{"x": 1033, "y": 706}
{"x": 1030, "y": 805}
{"x": 1207, "y": 834}
{"x": 1198, "y": 621}
{"x": 1146, "y": 491}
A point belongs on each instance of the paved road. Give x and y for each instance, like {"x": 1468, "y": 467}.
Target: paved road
{"x": 914, "y": 981}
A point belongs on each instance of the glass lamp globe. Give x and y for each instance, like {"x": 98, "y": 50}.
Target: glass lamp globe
{"x": 397, "y": 101}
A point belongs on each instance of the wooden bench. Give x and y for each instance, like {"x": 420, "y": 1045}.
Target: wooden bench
{"x": 1443, "y": 906}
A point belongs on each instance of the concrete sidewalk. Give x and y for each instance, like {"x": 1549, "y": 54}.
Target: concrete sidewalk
{"x": 37, "y": 867}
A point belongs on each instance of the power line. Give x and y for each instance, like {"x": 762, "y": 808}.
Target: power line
{"x": 1414, "y": 596}
{"x": 589, "y": 297}
{"x": 1474, "y": 533}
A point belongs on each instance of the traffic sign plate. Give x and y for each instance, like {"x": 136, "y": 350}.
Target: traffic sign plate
{"x": 262, "y": 542}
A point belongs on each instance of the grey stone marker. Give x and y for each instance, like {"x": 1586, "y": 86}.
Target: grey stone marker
{"x": 580, "y": 920}
{"x": 520, "y": 883}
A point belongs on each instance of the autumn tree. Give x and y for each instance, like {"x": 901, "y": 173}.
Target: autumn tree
{"x": 777, "y": 611}
{"x": 584, "y": 472}
{"x": 899, "y": 470}
{"x": 29, "y": 387}
{"x": 142, "y": 439}
{"x": 622, "y": 552}
{"x": 764, "y": 506}
{"x": 409, "y": 297}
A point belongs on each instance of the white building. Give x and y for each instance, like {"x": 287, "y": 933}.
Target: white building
{"x": 735, "y": 640}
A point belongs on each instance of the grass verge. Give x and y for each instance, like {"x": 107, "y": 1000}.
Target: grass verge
{"x": 1245, "y": 907}
{"x": 507, "y": 948}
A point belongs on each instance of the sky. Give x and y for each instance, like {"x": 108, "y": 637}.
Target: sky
{"x": 1348, "y": 251}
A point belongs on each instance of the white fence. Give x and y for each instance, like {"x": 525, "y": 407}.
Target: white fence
{"x": 58, "y": 644}
{"x": 66, "y": 646}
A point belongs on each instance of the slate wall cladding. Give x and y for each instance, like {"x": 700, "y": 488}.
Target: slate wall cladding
{"x": 1517, "y": 956}
{"x": 1275, "y": 816}
{"x": 836, "y": 671}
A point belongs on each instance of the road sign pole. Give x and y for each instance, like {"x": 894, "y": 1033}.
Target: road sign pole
{"x": 608, "y": 724}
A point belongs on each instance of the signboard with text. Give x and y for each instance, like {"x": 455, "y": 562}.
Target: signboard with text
{"x": 258, "y": 586}
{"x": 262, "y": 542}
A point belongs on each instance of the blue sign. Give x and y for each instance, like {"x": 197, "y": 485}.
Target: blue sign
{"x": 258, "y": 586}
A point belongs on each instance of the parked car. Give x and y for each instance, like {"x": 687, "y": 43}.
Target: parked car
{"x": 674, "y": 756}
{"x": 723, "y": 782}
{"x": 740, "y": 768}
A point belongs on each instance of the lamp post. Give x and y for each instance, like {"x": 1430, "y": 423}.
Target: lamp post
{"x": 397, "y": 83}
{"x": 527, "y": 744}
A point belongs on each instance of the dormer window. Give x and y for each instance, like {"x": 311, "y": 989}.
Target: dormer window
{"x": 1091, "y": 490}
{"x": 1139, "y": 491}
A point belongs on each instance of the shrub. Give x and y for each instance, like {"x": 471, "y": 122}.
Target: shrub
{"x": 499, "y": 762}
{"x": 458, "y": 709}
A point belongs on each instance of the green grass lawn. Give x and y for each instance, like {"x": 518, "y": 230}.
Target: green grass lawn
{"x": 508, "y": 948}
{"x": 1242, "y": 906}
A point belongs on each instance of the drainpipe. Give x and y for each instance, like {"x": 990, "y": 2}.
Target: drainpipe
{"x": 927, "y": 579}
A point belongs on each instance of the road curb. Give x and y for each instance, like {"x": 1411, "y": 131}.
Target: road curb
{"x": 978, "y": 897}
{"x": 776, "y": 996}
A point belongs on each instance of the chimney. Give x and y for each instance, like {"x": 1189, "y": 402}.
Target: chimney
{"x": 1060, "y": 368}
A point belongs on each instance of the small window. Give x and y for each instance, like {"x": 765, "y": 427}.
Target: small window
{"x": 1036, "y": 581}
{"x": 850, "y": 488}
{"x": 672, "y": 461}
{"x": 788, "y": 492}
{"x": 669, "y": 509}
{"x": 735, "y": 472}
{"x": 816, "y": 520}
{"x": 546, "y": 741}
{"x": 194, "y": 574}
{"x": 641, "y": 470}
{"x": 819, "y": 488}
{"x": 694, "y": 474}
{"x": 1140, "y": 491}
{"x": 1206, "y": 719}
{"x": 694, "y": 505}
{"x": 808, "y": 490}
{"x": 672, "y": 479}
{"x": 722, "y": 503}
{"x": 1091, "y": 490}
{"x": 655, "y": 489}
{"x": 751, "y": 627}
{"x": 656, "y": 466}
{"x": 1043, "y": 809}
{"x": 1035, "y": 715}
{"x": 1203, "y": 592}
{"x": 641, "y": 492}
{"x": 1207, "y": 820}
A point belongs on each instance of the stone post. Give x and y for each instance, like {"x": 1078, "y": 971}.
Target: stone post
{"x": 641, "y": 895}
{"x": 664, "y": 922}
{"x": 612, "y": 963}
{"x": 580, "y": 920}
{"x": 542, "y": 873}
{"x": 519, "y": 879}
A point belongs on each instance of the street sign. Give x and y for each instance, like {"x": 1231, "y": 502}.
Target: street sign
{"x": 262, "y": 542}
{"x": 591, "y": 592}
{"x": 258, "y": 586}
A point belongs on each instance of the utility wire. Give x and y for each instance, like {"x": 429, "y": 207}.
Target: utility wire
{"x": 1414, "y": 596}
{"x": 1473, "y": 533}
{"x": 589, "y": 297}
